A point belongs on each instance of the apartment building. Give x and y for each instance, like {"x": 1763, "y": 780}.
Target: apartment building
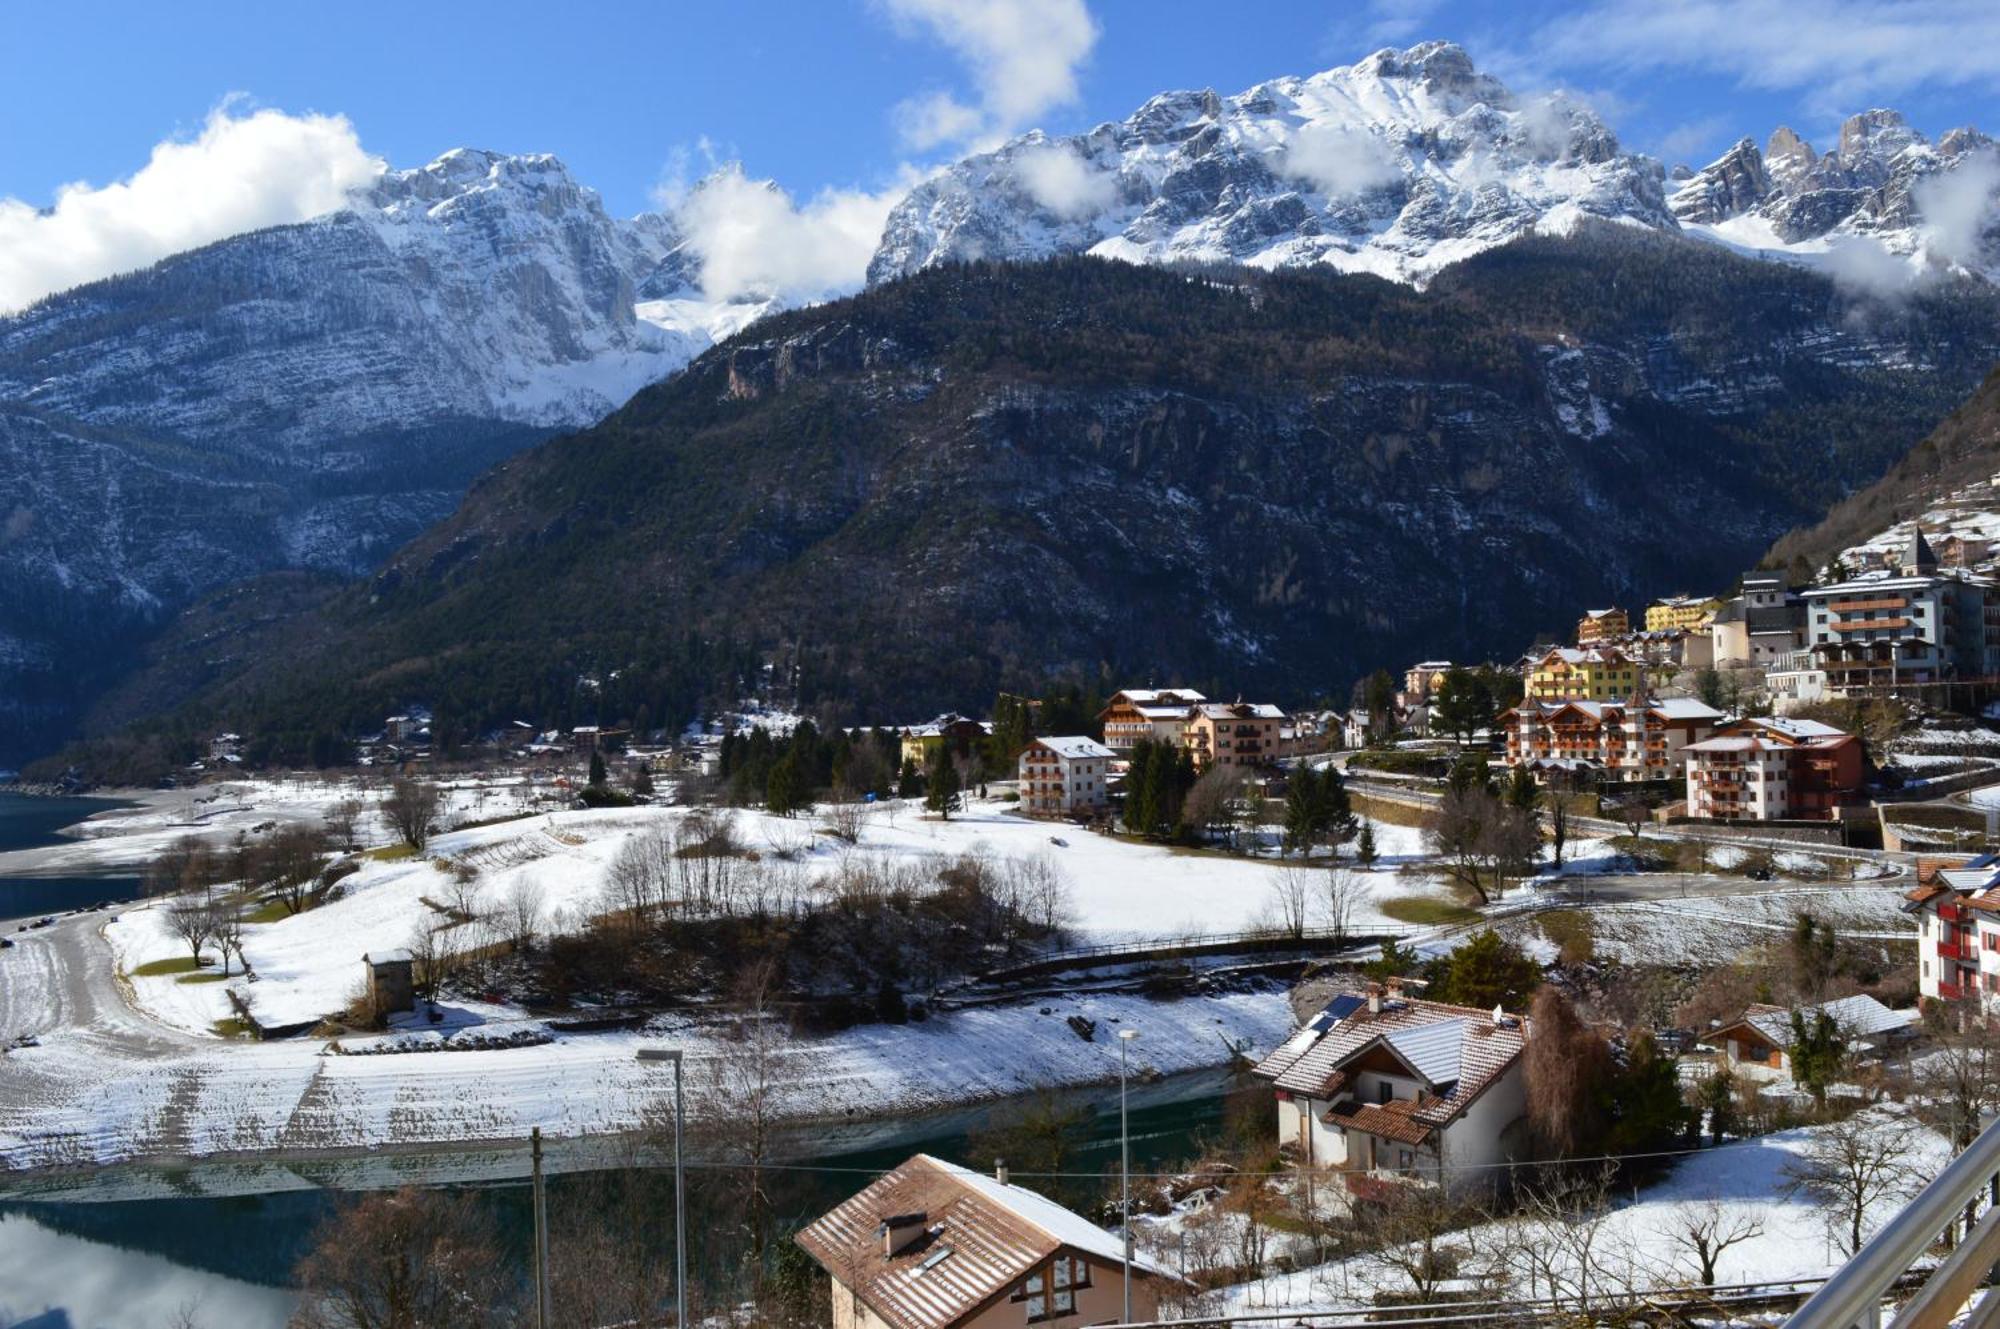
{"x": 1422, "y": 680}
{"x": 1606, "y": 741}
{"x": 1160, "y": 714}
{"x": 1763, "y": 624}
{"x": 1957, "y": 909}
{"x": 1237, "y": 733}
{"x": 1590, "y": 673}
{"x": 1769, "y": 769}
{"x": 1685, "y": 613}
{"x": 1064, "y": 777}
{"x": 1601, "y": 625}
{"x": 1882, "y": 630}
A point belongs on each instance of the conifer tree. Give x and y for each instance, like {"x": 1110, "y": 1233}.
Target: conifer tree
{"x": 941, "y": 795}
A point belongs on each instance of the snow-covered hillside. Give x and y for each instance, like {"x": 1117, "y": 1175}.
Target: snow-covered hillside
{"x": 1399, "y": 165}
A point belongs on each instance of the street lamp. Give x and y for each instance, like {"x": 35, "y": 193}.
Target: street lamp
{"x": 680, "y": 1185}
{"x": 1125, "y": 1037}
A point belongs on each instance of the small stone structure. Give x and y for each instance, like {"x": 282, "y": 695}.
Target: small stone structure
{"x": 391, "y": 985}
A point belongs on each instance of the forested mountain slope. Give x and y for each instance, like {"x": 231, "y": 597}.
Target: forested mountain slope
{"x": 994, "y": 475}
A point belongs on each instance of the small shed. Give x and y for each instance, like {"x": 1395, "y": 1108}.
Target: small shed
{"x": 391, "y": 981}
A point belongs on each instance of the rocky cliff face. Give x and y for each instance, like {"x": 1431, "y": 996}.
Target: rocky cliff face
{"x": 1397, "y": 165}
{"x": 1883, "y": 181}
{"x": 307, "y": 396}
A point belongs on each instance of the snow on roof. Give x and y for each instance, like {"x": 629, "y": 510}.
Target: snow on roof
{"x": 1484, "y": 1052}
{"x": 1431, "y": 666}
{"x": 377, "y": 958}
{"x": 1159, "y": 696}
{"x": 1071, "y": 749}
{"x": 1857, "y": 1017}
{"x": 981, "y": 1236}
{"x": 1241, "y": 710}
{"x": 1797, "y": 728}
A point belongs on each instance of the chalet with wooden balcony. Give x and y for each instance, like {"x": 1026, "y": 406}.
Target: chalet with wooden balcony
{"x": 1606, "y": 741}
{"x": 1591, "y": 673}
{"x": 1771, "y": 769}
{"x": 1136, "y": 714}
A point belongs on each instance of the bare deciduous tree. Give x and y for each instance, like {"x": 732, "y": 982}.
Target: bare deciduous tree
{"x": 743, "y": 1080}
{"x": 437, "y": 950}
{"x": 226, "y": 925}
{"x": 1340, "y": 894}
{"x": 1041, "y": 891}
{"x": 410, "y": 808}
{"x": 1292, "y": 893}
{"x": 1702, "y": 1232}
{"x": 1851, "y": 1166}
{"x": 845, "y": 817}
{"x": 341, "y": 820}
{"x": 522, "y": 911}
{"x": 401, "y": 1259}
{"x": 191, "y": 917}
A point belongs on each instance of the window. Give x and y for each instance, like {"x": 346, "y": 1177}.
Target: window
{"x": 1068, "y": 1273}
{"x": 1385, "y": 1092}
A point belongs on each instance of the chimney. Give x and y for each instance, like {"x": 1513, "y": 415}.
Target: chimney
{"x": 1499, "y": 1015}
{"x": 1374, "y": 1001}
{"x": 1000, "y": 1170}
{"x": 899, "y": 1231}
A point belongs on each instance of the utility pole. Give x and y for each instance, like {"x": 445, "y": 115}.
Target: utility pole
{"x": 541, "y": 1208}
{"x": 1125, "y": 1037}
{"x": 680, "y": 1183}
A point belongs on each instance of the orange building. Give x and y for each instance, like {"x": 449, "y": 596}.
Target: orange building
{"x": 1237, "y": 733}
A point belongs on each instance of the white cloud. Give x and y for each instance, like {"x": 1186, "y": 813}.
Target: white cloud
{"x": 934, "y": 119}
{"x": 240, "y": 173}
{"x": 1695, "y": 141}
{"x": 1839, "y": 51}
{"x": 1340, "y": 160}
{"x": 1859, "y": 264}
{"x": 1023, "y": 57}
{"x": 755, "y": 241}
{"x": 1958, "y": 208}
{"x": 1065, "y": 183}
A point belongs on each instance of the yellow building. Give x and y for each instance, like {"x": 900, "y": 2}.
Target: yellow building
{"x": 1593, "y": 673}
{"x": 1600, "y": 624}
{"x": 1688, "y": 613}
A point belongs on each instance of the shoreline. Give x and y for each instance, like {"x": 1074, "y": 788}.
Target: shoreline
{"x": 504, "y": 1158}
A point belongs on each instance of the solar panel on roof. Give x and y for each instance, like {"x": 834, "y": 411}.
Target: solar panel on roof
{"x": 1337, "y": 1010}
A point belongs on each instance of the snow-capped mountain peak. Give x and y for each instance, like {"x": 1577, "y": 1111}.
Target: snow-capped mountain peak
{"x": 1398, "y": 164}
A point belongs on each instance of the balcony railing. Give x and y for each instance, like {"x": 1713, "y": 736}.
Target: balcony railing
{"x": 1853, "y": 1297}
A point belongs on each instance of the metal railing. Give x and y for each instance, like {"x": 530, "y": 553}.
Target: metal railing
{"x": 1852, "y": 1298}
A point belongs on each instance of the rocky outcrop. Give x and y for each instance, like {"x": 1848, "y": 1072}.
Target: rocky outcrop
{"x": 1398, "y": 165}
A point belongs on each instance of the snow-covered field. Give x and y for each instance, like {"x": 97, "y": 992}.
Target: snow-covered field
{"x": 1637, "y": 1244}
{"x": 309, "y": 965}
{"x": 1713, "y": 929}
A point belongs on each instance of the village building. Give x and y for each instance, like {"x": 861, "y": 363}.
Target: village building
{"x": 1137, "y": 714}
{"x": 1421, "y": 681}
{"x": 1963, "y": 551}
{"x": 1593, "y": 673}
{"x": 588, "y": 739}
{"x": 1958, "y": 930}
{"x": 1606, "y": 741}
{"x": 1795, "y": 681}
{"x": 1234, "y": 733}
{"x": 1888, "y": 628}
{"x": 1758, "y": 1044}
{"x": 1382, "y": 1082}
{"x": 1602, "y": 625}
{"x": 935, "y": 1246}
{"x": 1765, "y": 622}
{"x": 1355, "y": 729}
{"x": 922, "y": 743}
{"x": 1682, "y": 613}
{"x": 391, "y": 981}
{"x": 1064, "y": 777}
{"x": 1773, "y": 769}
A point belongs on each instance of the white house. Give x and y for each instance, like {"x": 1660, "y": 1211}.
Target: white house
{"x": 1064, "y": 777}
{"x": 1382, "y": 1082}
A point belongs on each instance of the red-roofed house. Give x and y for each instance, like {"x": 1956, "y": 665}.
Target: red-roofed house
{"x": 1381, "y": 1082}
{"x": 935, "y": 1246}
{"x": 1769, "y": 769}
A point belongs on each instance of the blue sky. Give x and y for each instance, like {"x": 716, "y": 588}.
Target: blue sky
{"x": 134, "y": 131}
{"x": 806, "y": 91}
